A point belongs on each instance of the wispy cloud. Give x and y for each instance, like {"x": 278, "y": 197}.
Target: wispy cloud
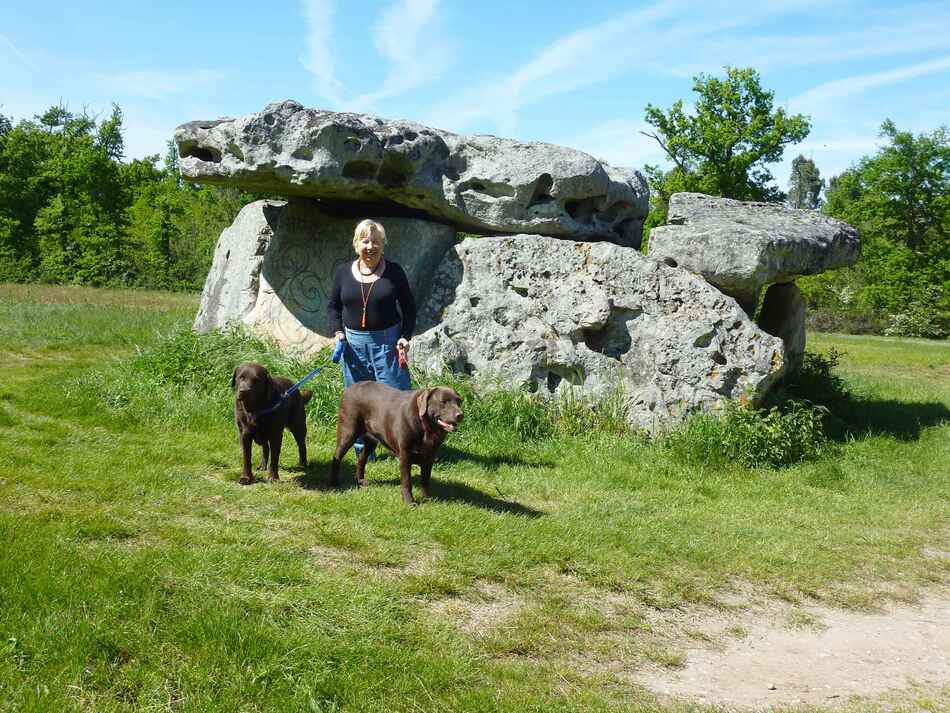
{"x": 603, "y": 51}
{"x": 17, "y": 53}
{"x": 618, "y": 142}
{"x": 408, "y": 36}
{"x": 318, "y": 58}
{"x": 822, "y": 97}
{"x": 581, "y": 58}
{"x": 152, "y": 84}
{"x": 883, "y": 34}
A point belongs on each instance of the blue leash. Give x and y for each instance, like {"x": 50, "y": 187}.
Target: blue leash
{"x": 287, "y": 394}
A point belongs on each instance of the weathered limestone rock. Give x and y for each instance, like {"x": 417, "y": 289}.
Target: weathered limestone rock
{"x": 783, "y": 316}
{"x": 740, "y": 247}
{"x": 273, "y": 268}
{"x": 596, "y": 318}
{"x": 478, "y": 183}
{"x": 231, "y": 288}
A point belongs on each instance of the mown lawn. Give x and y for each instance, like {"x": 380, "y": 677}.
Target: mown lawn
{"x": 136, "y": 574}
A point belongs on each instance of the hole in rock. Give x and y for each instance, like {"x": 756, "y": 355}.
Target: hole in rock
{"x": 235, "y": 151}
{"x": 703, "y": 340}
{"x": 613, "y": 339}
{"x": 523, "y": 291}
{"x": 411, "y": 135}
{"x": 582, "y": 210}
{"x": 202, "y": 153}
{"x": 542, "y": 190}
{"x": 395, "y": 171}
{"x": 359, "y": 170}
{"x": 719, "y": 358}
{"x": 553, "y": 381}
{"x": 303, "y": 153}
{"x": 489, "y": 188}
{"x": 670, "y": 261}
{"x": 473, "y": 301}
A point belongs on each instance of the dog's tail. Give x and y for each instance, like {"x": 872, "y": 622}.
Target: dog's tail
{"x": 305, "y": 395}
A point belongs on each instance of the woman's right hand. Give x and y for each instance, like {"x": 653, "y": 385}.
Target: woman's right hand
{"x": 339, "y": 336}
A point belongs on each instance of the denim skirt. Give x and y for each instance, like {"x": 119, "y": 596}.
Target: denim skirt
{"x": 372, "y": 356}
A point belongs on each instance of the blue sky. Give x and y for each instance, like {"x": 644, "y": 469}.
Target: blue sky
{"x": 566, "y": 73}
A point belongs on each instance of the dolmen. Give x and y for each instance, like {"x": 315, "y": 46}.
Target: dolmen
{"x": 524, "y": 259}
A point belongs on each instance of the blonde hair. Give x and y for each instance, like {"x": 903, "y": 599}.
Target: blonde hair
{"x": 368, "y": 227}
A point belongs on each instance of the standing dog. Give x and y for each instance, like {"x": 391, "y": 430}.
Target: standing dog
{"x": 412, "y": 424}
{"x": 256, "y": 392}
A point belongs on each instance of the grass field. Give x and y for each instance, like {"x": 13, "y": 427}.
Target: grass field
{"x": 136, "y": 574}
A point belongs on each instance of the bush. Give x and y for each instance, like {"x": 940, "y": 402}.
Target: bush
{"x": 751, "y": 437}
{"x": 186, "y": 377}
{"x": 918, "y": 320}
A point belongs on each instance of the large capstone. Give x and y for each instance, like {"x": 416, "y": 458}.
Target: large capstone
{"x": 481, "y": 184}
{"x": 273, "y": 268}
{"x": 740, "y": 247}
{"x": 596, "y": 319}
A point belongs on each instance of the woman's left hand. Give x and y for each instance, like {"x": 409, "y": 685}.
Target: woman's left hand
{"x": 403, "y": 344}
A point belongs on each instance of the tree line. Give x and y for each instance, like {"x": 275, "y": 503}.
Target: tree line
{"x": 899, "y": 199}
{"x": 73, "y": 212}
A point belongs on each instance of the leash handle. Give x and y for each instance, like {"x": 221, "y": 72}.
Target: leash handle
{"x": 403, "y": 358}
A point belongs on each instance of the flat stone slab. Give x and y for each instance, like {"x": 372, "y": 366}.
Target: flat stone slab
{"x": 477, "y": 183}
{"x": 596, "y": 320}
{"x": 740, "y": 247}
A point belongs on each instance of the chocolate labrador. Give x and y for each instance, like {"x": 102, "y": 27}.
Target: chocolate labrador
{"x": 412, "y": 424}
{"x": 261, "y": 416}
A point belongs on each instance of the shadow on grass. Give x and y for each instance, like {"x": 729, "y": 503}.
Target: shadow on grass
{"x": 852, "y": 415}
{"x": 903, "y": 420}
{"x": 316, "y": 476}
{"x": 448, "y": 454}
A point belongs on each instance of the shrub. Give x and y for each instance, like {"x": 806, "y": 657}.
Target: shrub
{"x": 751, "y": 437}
{"x": 185, "y": 376}
{"x": 918, "y": 320}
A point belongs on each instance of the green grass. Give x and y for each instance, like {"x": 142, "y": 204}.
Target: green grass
{"x": 136, "y": 574}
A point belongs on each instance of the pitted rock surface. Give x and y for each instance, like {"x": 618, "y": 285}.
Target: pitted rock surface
{"x": 740, "y": 247}
{"x": 273, "y": 268}
{"x": 596, "y": 319}
{"x": 478, "y": 183}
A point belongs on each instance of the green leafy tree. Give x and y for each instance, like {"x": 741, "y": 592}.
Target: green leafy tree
{"x": 900, "y": 201}
{"x": 724, "y": 146}
{"x": 805, "y": 184}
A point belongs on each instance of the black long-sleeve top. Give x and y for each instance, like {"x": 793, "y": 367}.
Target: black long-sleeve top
{"x": 345, "y": 305}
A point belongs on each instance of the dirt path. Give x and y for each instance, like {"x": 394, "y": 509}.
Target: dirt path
{"x": 845, "y": 654}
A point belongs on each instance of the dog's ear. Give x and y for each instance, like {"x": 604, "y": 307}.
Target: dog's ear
{"x": 422, "y": 401}
{"x": 234, "y": 376}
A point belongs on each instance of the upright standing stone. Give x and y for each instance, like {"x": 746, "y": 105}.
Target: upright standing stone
{"x": 783, "y": 316}
{"x": 286, "y": 281}
{"x": 597, "y": 320}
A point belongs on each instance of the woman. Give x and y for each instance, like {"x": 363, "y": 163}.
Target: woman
{"x": 362, "y": 309}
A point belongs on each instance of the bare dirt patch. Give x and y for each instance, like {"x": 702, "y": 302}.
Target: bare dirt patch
{"x": 480, "y": 613}
{"x": 813, "y": 656}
